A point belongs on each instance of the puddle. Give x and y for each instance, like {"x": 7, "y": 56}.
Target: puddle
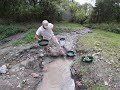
{"x": 58, "y": 76}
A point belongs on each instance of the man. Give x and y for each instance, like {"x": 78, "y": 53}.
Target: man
{"x": 46, "y": 31}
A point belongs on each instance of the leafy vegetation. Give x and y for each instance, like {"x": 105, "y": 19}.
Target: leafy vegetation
{"x": 106, "y": 11}
{"x": 27, "y": 10}
{"x": 34, "y": 10}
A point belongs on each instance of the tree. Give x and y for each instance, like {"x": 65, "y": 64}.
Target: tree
{"x": 78, "y": 13}
{"x": 28, "y": 10}
{"x": 106, "y": 11}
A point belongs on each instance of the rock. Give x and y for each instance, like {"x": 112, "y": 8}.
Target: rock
{"x": 101, "y": 58}
{"x": 8, "y": 73}
{"x": 98, "y": 53}
{"x": 24, "y": 81}
{"x": 93, "y": 54}
{"x": 18, "y": 78}
{"x": 97, "y": 44}
{"x": 41, "y": 54}
{"x": 90, "y": 31}
{"x": 9, "y": 66}
{"x": 99, "y": 49}
{"x": 77, "y": 32}
{"x": 105, "y": 82}
{"x": 22, "y": 68}
{"x": 112, "y": 61}
{"x": 35, "y": 75}
{"x": 78, "y": 83}
{"x": 3, "y": 69}
{"x": 19, "y": 85}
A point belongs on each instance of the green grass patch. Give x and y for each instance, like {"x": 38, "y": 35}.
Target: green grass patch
{"x": 112, "y": 27}
{"x": 28, "y": 38}
{"x": 107, "y": 41}
{"x": 66, "y": 27}
{"x": 99, "y": 87}
{"x": 6, "y": 31}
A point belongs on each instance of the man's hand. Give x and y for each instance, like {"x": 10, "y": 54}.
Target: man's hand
{"x": 37, "y": 37}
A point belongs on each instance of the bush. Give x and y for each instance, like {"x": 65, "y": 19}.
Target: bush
{"x": 29, "y": 10}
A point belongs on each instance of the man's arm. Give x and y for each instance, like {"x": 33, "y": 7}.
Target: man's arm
{"x": 37, "y": 37}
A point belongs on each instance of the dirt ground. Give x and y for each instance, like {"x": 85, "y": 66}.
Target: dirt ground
{"x": 22, "y": 61}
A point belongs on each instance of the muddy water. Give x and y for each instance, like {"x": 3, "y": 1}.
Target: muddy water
{"x": 58, "y": 76}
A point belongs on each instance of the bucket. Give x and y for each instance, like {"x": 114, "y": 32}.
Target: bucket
{"x": 62, "y": 41}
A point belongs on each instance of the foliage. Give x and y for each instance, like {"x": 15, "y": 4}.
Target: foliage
{"x": 80, "y": 12}
{"x": 37, "y": 10}
{"x": 106, "y": 11}
{"x": 77, "y": 12}
{"x": 27, "y": 10}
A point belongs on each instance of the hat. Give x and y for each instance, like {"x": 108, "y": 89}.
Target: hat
{"x": 45, "y": 23}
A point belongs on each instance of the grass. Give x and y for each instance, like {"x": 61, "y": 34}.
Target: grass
{"x": 111, "y": 27}
{"x": 28, "y": 38}
{"x": 66, "y": 27}
{"x": 58, "y": 28}
{"x": 10, "y": 30}
{"x": 107, "y": 41}
{"x": 99, "y": 87}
